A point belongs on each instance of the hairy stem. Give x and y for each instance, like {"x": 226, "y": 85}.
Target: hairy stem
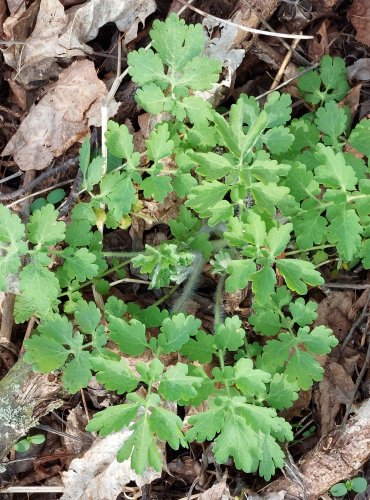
{"x": 218, "y": 299}
{"x": 191, "y": 284}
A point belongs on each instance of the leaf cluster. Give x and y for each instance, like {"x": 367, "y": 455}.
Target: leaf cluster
{"x": 267, "y": 200}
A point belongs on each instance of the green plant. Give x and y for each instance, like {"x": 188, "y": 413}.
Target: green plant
{"x": 25, "y": 443}
{"x": 268, "y": 201}
{"x": 54, "y": 197}
{"x": 357, "y": 484}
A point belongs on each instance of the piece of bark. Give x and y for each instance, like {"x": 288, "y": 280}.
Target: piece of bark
{"x": 25, "y": 396}
{"x": 335, "y": 458}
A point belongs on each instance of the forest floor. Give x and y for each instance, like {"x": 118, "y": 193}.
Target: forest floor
{"x": 34, "y": 51}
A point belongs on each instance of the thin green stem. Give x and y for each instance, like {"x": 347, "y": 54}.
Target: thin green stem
{"x": 221, "y": 357}
{"x": 166, "y": 296}
{"x": 319, "y": 247}
{"x": 190, "y": 285}
{"x": 329, "y": 261}
{"x": 119, "y": 255}
{"x": 91, "y": 282}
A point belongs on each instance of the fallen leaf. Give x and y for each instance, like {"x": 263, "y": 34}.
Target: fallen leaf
{"x": 334, "y": 390}
{"x": 186, "y": 468}
{"x": 20, "y": 24}
{"x": 218, "y": 491}
{"x": 333, "y": 312}
{"x": 360, "y": 70}
{"x": 319, "y": 45}
{"x": 222, "y": 48}
{"x": 232, "y": 300}
{"x": 98, "y": 475}
{"x": 63, "y": 35}
{"x": 60, "y": 119}
{"x": 359, "y": 14}
{"x": 16, "y": 5}
{"x": 299, "y": 406}
{"x": 279, "y": 495}
{"x": 352, "y": 99}
{"x": 76, "y": 423}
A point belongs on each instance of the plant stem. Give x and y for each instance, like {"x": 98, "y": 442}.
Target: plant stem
{"x": 119, "y": 255}
{"x": 329, "y": 261}
{"x": 218, "y": 299}
{"x": 166, "y": 296}
{"x": 91, "y": 282}
{"x": 319, "y": 247}
{"x": 191, "y": 283}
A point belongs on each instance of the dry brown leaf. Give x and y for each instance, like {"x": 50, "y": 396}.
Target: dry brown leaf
{"x": 360, "y": 70}
{"x": 76, "y": 423}
{"x": 98, "y": 475}
{"x": 219, "y": 491}
{"x": 16, "y": 5}
{"x": 232, "y": 300}
{"x": 333, "y": 312}
{"x": 319, "y": 45}
{"x": 359, "y": 14}
{"x": 222, "y": 48}
{"x": 334, "y": 390}
{"x": 185, "y": 467}
{"x": 19, "y": 25}
{"x": 63, "y": 35}
{"x": 352, "y": 99}
{"x": 60, "y": 119}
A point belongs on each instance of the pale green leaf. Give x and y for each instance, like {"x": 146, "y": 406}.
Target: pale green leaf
{"x": 87, "y": 316}
{"x": 249, "y": 380}
{"x": 298, "y": 274}
{"x": 35, "y": 277}
{"x": 344, "y": 230}
{"x": 167, "y": 426}
{"x": 176, "y": 331}
{"x": 43, "y": 227}
{"x": 229, "y": 335}
{"x": 157, "y": 187}
{"x": 282, "y": 393}
{"x": 113, "y": 419}
{"x": 114, "y": 374}
{"x": 176, "y": 384}
{"x": 130, "y": 337}
{"x": 240, "y": 271}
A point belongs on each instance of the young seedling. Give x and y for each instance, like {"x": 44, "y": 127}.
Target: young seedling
{"x": 357, "y": 484}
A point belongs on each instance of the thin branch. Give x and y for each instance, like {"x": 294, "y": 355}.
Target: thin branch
{"x": 13, "y": 176}
{"x": 299, "y": 58}
{"x": 286, "y": 82}
{"x": 245, "y": 28}
{"x": 32, "y": 195}
{"x": 283, "y": 66}
{"x": 33, "y": 489}
{"x": 346, "y": 286}
{"x": 45, "y": 175}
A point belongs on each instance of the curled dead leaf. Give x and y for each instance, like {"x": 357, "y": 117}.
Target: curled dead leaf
{"x": 359, "y": 14}
{"x": 63, "y": 35}
{"x": 60, "y": 119}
